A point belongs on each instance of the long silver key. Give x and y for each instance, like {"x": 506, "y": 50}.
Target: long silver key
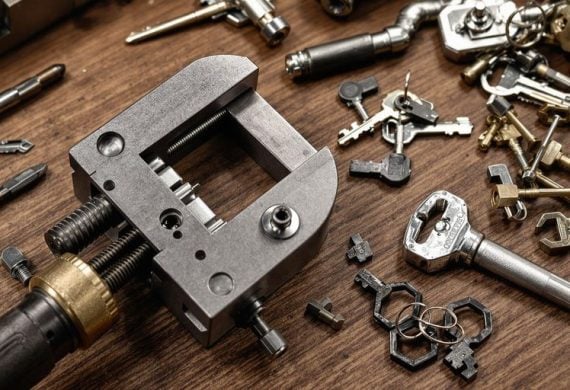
{"x": 19, "y": 146}
{"x": 461, "y": 126}
{"x": 514, "y": 83}
{"x": 453, "y": 240}
{"x": 346, "y": 136}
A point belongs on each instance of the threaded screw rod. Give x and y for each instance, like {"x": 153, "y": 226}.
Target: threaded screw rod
{"x": 194, "y": 133}
{"x": 114, "y": 251}
{"x": 80, "y": 228}
{"x": 119, "y": 273}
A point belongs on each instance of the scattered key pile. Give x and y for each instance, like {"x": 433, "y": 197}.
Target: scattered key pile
{"x": 528, "y": 77}
{"x": 403, "y": 116}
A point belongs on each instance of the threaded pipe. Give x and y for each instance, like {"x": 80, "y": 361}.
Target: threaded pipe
{"x": 119, "y": 273}
{"x": 79, "y": 229}
{"x": 114, "y": 251}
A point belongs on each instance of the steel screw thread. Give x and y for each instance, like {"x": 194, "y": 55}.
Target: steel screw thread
{"x": 82, "y": 227}
{"x": 196, "y": 132}
{"x": 118, "y": 274}
{"x": 22, "y": 273}
{"x": 128, "y": 241}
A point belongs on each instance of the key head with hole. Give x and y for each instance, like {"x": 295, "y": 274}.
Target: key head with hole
{"x": 351, "y": 92}
{"x": 451, "y": 238}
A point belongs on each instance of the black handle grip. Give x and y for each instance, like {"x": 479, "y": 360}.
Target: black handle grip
{"x": 33, "y": 336}
{"x": 341, "y": 55}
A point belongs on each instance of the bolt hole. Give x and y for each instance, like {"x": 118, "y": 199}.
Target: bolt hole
{"x": 282, "y": 216}
{"x": 50, "y": 335}
{"x": 171, "y": 219}
{"x": 109, "y": 185}
{"x": 200, "y": 254}
{"x": 177, "y": 234}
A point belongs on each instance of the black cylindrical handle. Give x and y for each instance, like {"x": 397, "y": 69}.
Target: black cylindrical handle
{"x": 332, "y": 57}
{"x": 33, "y": 336}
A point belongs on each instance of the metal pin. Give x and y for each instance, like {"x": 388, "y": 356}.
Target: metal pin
{"x": 22, "y": 181}
{"x": 30, "y": 87}
{"x": 407, "y": 85}
{"x": 529, "y": 175}
{"x": 322, "y": 311}
{"x": 188, "y": 19}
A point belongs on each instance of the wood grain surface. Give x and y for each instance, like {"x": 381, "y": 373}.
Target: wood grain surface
{"x": 148, "y": 348}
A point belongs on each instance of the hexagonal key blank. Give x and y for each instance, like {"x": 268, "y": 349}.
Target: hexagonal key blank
{"x": 382, "y": 290}
{"x": 461, "y": 358}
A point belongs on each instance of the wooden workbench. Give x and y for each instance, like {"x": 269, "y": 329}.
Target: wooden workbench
{"x": 148, "y": 347}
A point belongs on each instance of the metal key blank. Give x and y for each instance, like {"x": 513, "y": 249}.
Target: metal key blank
{"x": 514, "y": 83}
{"x": 19, "y": 146}
{"x": 461, "y": 126}
{"x": 452, "y": 240}
{"x": 346, "y": 136}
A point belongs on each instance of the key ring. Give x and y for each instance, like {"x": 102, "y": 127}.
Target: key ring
{"x": 526, "y": 26}
{"x": 423, "y": 324}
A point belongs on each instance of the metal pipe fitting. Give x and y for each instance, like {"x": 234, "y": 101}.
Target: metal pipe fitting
{"x": 362, "y": 49}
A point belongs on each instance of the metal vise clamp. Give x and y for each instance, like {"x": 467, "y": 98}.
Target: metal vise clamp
{"x": 211, "y": 274}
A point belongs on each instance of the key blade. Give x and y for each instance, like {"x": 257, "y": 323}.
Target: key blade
{"x": 19, "y": 146}
{"x": 346, "y": 136}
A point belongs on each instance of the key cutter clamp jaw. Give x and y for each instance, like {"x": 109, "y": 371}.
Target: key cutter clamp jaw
{"x": 208, "y": 277}
{"x": 452, "y": 238}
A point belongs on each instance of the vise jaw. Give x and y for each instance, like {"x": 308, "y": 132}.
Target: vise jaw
{"x": 211, "y": 274}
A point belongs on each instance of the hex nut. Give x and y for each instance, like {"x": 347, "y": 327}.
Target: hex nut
{"x": 505, "y": 195}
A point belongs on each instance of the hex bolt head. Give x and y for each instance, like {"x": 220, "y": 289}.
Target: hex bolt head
{"x": 16, "y": 264}
{"x": 498, "y": 105}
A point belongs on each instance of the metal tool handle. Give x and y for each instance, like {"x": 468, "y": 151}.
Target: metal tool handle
{"x": 522, "y": 272}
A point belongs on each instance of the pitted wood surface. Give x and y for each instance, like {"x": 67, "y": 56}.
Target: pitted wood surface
{"x": 148, "y": 348}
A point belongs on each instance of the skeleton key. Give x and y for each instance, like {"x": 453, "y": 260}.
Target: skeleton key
{"x": 461, "y": 126}
{"x": 19, "y": 146}
{"x": 513, "y": 82}
{"x": 346, "y": 136}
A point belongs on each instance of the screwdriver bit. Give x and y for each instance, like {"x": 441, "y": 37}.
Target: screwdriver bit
{"x": 22, "y": 181}
{"x": 31, "y": 87}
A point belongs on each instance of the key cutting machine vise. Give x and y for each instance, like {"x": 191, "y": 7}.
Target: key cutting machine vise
{"x": 212, "y": 274}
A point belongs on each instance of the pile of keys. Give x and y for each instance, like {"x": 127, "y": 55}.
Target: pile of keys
{"x": 528, "y": 77}
{"x": 460, "y": 357}
{"x": 402, "y": 117}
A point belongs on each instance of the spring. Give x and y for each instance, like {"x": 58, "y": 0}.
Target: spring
{"x": 197, "y": 132}
{"x": 118, "y": 248}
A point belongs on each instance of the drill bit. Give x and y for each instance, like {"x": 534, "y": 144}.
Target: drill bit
{"x": 22, "y": 181}
{"x": 30, "y": 87}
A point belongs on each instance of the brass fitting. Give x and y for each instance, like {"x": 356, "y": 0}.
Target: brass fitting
{"x": 553, "y": 155}
{"x": 505, "y": 195}
{"x": 472, "y": 73}
{"x": 81, "y": 293}
{"x": 494, "y": 123}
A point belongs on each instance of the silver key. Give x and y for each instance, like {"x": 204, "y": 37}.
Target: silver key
{"x": 19, "y": 146}
{"x": 346, "y": 136}
{"x": 461, "y": 126}
{"x": 453, "y": 240}
{"x": 514, "y": 83}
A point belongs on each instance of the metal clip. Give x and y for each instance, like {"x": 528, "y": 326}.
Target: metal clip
{"x": 19, "y": 146}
